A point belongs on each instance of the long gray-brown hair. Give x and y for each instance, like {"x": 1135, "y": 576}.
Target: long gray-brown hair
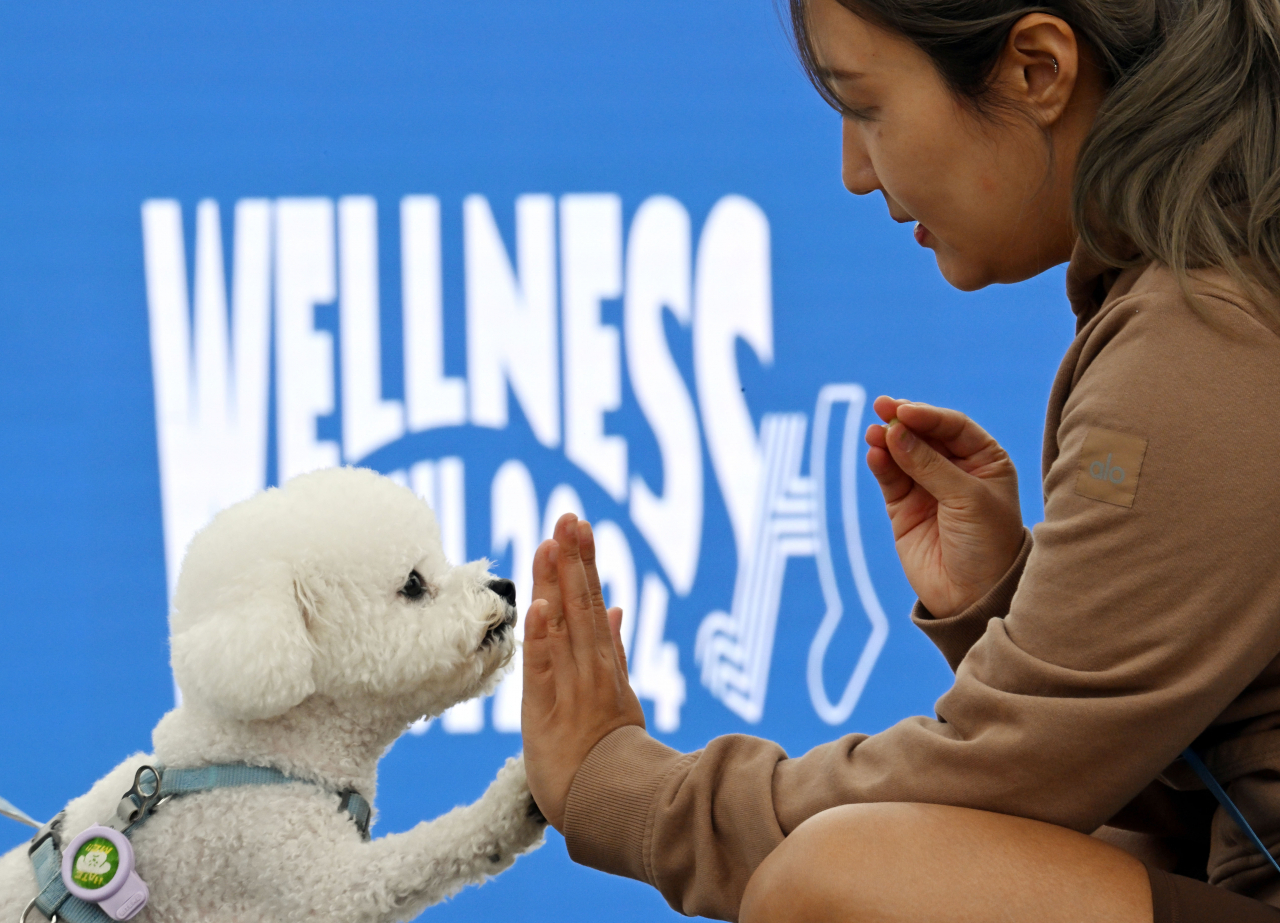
{"x": 1183, "y": 162}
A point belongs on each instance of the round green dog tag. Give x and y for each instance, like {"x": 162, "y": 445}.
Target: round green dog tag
{"x": 95, "y": 864}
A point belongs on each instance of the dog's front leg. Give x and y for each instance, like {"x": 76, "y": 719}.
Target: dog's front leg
{"x": 404, "y": 873}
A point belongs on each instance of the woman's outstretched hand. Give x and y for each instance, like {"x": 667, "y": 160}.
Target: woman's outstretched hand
{"x": 952, "y": 497}
{"x": 575, "y": 670}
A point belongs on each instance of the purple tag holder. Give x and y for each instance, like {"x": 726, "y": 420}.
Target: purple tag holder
{"x": 97, "y": 866}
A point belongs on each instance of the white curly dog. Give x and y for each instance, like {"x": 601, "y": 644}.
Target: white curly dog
{"x": 310, "y": 625}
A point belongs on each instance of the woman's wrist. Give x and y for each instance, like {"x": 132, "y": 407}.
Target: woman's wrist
{"x": 996, "y": 597}
{"x": 607, "y": 810}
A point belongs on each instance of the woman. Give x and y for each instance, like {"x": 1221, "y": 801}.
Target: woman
{"x": 1139, "y": 139}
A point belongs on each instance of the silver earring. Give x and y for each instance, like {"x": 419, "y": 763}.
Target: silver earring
{"x": 1055, "y": 64}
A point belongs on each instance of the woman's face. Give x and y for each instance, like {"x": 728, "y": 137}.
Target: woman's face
{"x": 986, "y": 194}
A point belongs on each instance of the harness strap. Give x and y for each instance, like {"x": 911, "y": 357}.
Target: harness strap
{"x": 1194, "y": 761}
{"x": 53, "y": 896}
{"x": 360, "y": 810}
{"x": 229, "y": 775}
{"x": 189, "y": 781}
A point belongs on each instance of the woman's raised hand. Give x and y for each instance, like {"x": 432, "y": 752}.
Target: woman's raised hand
{"x": 952, "y": 497}
{"x": 575, "y": 670}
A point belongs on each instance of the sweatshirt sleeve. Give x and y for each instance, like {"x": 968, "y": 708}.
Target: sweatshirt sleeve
{"x": 1145, "y": 608}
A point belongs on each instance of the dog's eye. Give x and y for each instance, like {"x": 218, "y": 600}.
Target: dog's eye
{"x": 415, "y": 587}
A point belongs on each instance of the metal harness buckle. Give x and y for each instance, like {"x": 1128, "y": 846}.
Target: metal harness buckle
{"x": 138, "y": 802}
{"x": 360, "y": 817}
{"x": 32, "y": 906}
{"x": 48, "y": 832}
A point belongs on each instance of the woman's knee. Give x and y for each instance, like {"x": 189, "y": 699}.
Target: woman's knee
{"x": 808, "y": 875}
{"x": 778, "y": 887}
{"x": 920, "y": 861}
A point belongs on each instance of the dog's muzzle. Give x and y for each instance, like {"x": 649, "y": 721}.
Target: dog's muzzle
{"x": 507, "y": 590}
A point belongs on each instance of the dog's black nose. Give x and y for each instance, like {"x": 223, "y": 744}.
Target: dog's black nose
{"x": 504, "y": 588}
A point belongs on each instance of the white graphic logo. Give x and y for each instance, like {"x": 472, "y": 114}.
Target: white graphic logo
{"x": 534, "y": 333}
{"x": 93, "y": 862}
{"x": 735, "y": 648}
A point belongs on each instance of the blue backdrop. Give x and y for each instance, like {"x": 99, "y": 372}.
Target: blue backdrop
{"x": 525, "y": 257}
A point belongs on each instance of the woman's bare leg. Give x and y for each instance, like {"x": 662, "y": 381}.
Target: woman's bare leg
{"x": 923, "y": 863}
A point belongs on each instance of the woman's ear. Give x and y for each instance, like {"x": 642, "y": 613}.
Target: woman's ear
{"x": 1040, "y": 66}
{"x": 248, "y": 656}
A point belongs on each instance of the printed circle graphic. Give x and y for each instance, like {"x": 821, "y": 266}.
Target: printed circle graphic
{"x": 96, "y": 863}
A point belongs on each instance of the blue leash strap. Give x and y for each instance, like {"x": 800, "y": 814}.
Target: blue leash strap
{"x": 13, "y": 812}
{"x": 1194, "y": 761}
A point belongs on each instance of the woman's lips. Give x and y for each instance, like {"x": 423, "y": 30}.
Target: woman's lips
{"x": 922, "y": 234}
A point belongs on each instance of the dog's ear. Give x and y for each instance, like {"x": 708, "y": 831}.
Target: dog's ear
{"x": 249, "y": 659}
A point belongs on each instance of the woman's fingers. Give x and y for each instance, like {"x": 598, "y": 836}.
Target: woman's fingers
{"x": 615, "y": 630}
{"x": 921, "y": 463}
{"x": 539, "y": 661}
{"x": 946, "y": 479}
{"x": 546, "y": 583}
{"x": 949, "y": 429}
{"x": 587, "y": 549}
{"x": 894, "y": 482}
{"x": 933, "y": 447}
{"x": 573, "y": 624}
{"x": 547, "y": 651}
{"x": 575, "y": 592}
{"x": 885, "y": 407}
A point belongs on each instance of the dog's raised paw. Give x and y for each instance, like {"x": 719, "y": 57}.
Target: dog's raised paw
{"x": 534, "y": 813}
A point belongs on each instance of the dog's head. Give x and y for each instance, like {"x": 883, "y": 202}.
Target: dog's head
{"x": 334, "y": 584}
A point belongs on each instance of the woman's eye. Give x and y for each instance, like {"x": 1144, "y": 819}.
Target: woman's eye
{"x": 415, "y": 587}
{"x": 860, "y": 115}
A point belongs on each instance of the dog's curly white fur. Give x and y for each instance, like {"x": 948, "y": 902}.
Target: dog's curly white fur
{"x": 301, "y": 642}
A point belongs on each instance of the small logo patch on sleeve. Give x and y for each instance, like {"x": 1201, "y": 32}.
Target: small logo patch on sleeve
{"x": 1110, "y": 463}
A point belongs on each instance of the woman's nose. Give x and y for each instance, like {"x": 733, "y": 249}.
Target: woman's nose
{"x": 856, "y": 170}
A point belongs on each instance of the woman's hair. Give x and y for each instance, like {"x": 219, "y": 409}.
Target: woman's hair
{"x": 1182, "y": 164}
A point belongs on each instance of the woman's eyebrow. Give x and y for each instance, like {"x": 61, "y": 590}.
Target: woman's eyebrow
{"x": 837, "y": 73}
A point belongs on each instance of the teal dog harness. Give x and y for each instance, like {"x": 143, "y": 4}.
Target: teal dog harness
{"x": 94, "y": 882}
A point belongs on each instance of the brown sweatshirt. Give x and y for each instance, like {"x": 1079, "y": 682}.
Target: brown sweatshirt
{"x": 1144, "y": 615}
